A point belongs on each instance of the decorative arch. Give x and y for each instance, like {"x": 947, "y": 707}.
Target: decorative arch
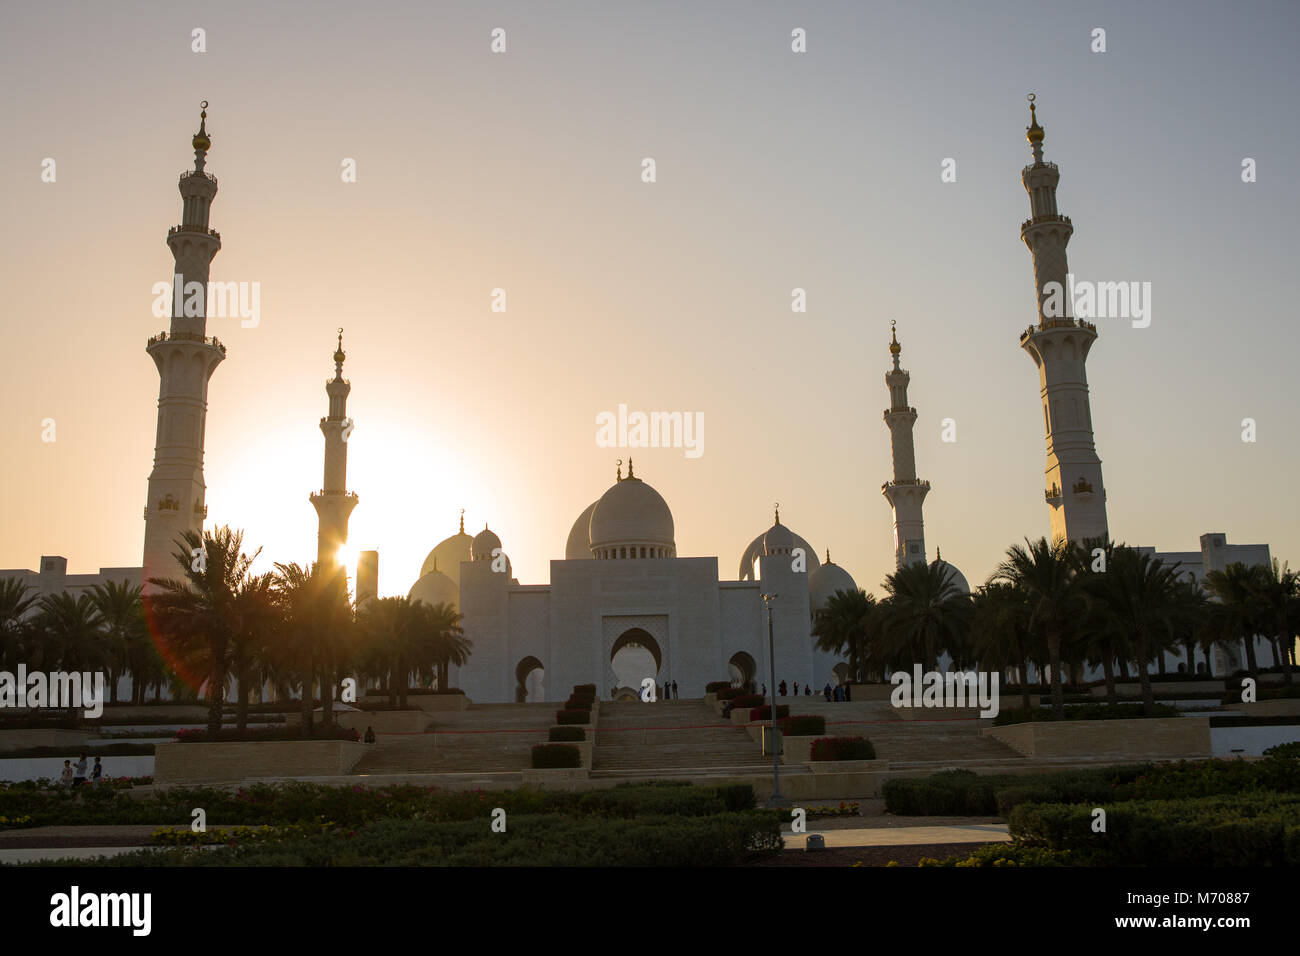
{"x": 523, "y": 670}
{"x": 743, "y": 668}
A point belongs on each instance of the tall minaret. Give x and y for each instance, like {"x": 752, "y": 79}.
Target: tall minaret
{"x": 1059, "y": 346}
{"x": 185, "y": 358}
{"x": 334, "y": 503}
{"x": 905, "y": 492}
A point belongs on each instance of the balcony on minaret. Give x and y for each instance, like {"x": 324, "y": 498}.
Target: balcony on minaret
{"x": 1054, "y": 496}
{"x": 1063, "y": 322}
{"x": 1082, "y": 489}
{"x": 184, "y": 227}
{"x": 193, "y": 337}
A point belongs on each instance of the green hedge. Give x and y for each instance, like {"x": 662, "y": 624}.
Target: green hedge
{"x": 1291, "y": 749}
{"x": 723, "y": 839}
{"x": 548, "y": 756}
{"x": 714, "y": 686}
{"x": 804, "y": 725}
{"x": 566, "y": 733}
{"x": 765, "y": 712}
{"x": 742, "y": 701}
{"x": 731, "y": 693}
{"x": 578, "y": 704}
{"x": 573, "y": 716}
{"x": 843, "y": 748}
{"x": 1257, "y": 829}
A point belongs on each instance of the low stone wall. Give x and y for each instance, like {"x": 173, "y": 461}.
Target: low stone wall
{"x": 848, "y": 766}
{"x": 1150, "y": 737}
{"x": 180, "y": 713}
{"x": 177, "y": 763}
{"x": 1134, "y": 688}
{"x": 563, "y": 778}
{"x": 385, "y": 721}
{"x": 44, "y": 737}
{"x": 951, "y": 714}
{"x": 1284, "y": 707}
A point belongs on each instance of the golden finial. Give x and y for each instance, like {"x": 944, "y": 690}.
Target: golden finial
{"x": 1033, "y": 132}
{"x": 618, "y": 476}
{"x": 894, "y": 347}
{"x": 629, "y": 468}
{"x": 828, "y": 555}
{"x": 201, "y": 140}
{"x": 462, "y": 520}
{"x": 776, "y": 508}
{"x": 340, "y": 355}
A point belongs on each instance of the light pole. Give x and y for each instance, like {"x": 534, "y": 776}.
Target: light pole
{"x": 776, "y": 800}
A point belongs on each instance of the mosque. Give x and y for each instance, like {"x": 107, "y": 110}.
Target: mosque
{"x": 621, "y": 603}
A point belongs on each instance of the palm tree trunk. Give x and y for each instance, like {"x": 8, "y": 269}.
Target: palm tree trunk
{"x": 1144, "y": 672}
{"x": 217, "y": 694}
{"x": 1108, "y": 668}
{"x": 1054, "y": 660}
{"x": 327, "y": 697}
{"x": 1285, "y": 657}
{"x": 241, "y": 708}
{"x": 1160, "y": 661}
{"x": 1191, "y": 658}
{"x": 1251, "y": 664}
{"x": 306, "y": 702}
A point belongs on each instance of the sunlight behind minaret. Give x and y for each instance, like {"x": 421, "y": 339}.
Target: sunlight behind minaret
{"x": 347, "y": 556}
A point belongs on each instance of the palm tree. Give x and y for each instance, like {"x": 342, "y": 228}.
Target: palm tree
{"x": 198, "y": 615}
{"x": 1045, "y": 574}
{"x": 926, "y": 611}
{"x": 1141, "y": 595}
{"x": 122, "y": 616}
{"x": 1000, "y": 633}
{"x": 69, "y": 635}
{"x": 256, "y": 620}
{"x": 314, "y": 613}
{"x": 844, "y": 623}
{"x": 15, "y": 601}
{"x": 1275, "y": 589}
{"x": 391, "y": 626}
{"x": 440, "y": 631}
{"x": 1235, "y": 614}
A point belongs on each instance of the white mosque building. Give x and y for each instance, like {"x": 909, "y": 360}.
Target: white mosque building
{"x": 621, "y": 603}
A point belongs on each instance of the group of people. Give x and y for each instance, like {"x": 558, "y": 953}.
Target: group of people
{"x": 669, "y": 691}
{"x": 839, "y": 693}
{"x": 76, "y": 776}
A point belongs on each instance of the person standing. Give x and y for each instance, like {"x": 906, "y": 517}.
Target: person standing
{"x": 796, "y": 688}
{"x": 782, "y": 688}
{"x": 763, "y": 692}
{"x": 848, "y": 693}
{"x": 827, "y": 691}
{"x": 97, "y": 773}
{"x": 807, "y": 690}
{"x": 79, "y": 777}
{"x": 65, "y": 778}
{"x": 676, "y": 696}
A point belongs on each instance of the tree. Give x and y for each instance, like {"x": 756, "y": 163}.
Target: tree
{"x": 16, "y": 598}
{"x": 1275, "y": 589}
{"x": 438, "y": 631}
{"x": 1000, "y": 632}
{"x": 198, "y": 614}
{"x": 314, "y": 617}
{"x": 1141, "y": 595}
{"x": 844, "y": 624}
{"x": 256, "y": 620}
{"x": 926, "y": 611}
{"x": 1045, "y": 574}
{"x": 68, "y": 630}
{"x": 122, "y": 616}
{"x": 1235, "y": 614}
{"x": 392, "y": 626}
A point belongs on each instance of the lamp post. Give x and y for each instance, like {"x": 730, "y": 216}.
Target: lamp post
{"x": 776, "y": 800}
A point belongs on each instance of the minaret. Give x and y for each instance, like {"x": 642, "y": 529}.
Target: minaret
{"x": 905, "y": 492}
{"x": 185, "y": 358}
{"x": 1059, "y": 346}
{"x": 334, "y": 503}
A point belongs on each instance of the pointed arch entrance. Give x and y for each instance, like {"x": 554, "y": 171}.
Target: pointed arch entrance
{"x": 634, "y": 656}
{"x": 530, "y": 680}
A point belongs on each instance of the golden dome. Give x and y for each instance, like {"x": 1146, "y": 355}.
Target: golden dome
{"x": 894, "y": 347}
{"x": 201, "y": 140}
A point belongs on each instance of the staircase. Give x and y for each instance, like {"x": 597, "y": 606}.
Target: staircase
{"x": 486, "y": 738}
{"x": 671, "y": 737}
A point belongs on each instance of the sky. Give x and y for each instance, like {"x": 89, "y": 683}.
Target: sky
{"x": 522, "y": 171}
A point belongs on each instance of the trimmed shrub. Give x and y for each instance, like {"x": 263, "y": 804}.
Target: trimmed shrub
{"x": 577, "y": 704}
{"x": 547, "y": 756}
{"x": 747, "y": 700}
{"x": 843, "y": 748}
{"x": 714, "y": 686}
{"x": 736, "y": 796}
{"x": 585, "y": 689}
{"x": 566, "y": 733}
{"x": 1257, "y": 829}
{"x": 804, "y": 725}
{"x": 573, "y": 716}
{"x": 1284, "y": 750}
{"x": 731, "y": 693}
{"x": 765, "y": 712}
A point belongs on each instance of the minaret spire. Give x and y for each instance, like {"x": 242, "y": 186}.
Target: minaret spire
{"x": 905, "y": 491}
{"x": 1059, "y": 346}
{"x": 185, "y": 358}
{"x": 334, "y": 503}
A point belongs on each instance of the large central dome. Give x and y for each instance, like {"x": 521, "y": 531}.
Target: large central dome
{"x": 632, "y": 520}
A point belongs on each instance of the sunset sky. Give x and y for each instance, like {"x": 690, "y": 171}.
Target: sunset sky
{"x": 522, "y": 171}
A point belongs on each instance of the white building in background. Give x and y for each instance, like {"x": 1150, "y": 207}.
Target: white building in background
{"x": 622, "y": 605}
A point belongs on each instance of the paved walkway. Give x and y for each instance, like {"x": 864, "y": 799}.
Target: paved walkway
{"x": 65, "y": 853}
{"x": 902, "y": 836}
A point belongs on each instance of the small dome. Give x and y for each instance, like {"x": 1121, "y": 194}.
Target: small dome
{"x": 825, "y": 581}
{"x": 632, "y": 513}
{"x": 435, "y": 588}
{"x": 483, "y": 545}
{"x": 448, "y": 554}
{"x": 958, "y": 579}
{"x": 778, "y": 540}
{"x": 579, "y": 544}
